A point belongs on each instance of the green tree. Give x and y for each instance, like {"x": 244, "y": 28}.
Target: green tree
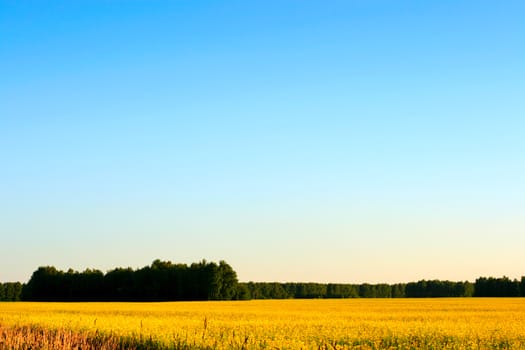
{"x": 228, "y": 281}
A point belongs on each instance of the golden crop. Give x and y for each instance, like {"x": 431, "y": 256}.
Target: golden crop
{"x": 467, "y": 323}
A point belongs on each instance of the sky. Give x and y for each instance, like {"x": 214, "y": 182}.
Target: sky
{"x": 328, "y": 141}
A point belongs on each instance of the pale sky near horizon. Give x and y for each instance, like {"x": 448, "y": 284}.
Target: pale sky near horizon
{"x": 329, "y": 141}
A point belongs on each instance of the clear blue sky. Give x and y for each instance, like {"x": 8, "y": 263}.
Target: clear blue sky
{"x": 341, "y": 141}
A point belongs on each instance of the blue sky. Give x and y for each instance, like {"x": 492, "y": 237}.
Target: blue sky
{"x": 341, "y": 141}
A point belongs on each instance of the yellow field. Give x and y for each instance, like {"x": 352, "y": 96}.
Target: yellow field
{"x": 468, "y": 323}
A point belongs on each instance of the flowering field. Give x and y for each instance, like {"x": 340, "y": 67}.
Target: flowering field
{"x": 462, "y": 323}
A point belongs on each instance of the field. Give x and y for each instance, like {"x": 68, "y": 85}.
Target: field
{"x": 467, "y": 323}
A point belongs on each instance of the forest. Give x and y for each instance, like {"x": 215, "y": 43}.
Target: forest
{"x": 166, "y": 281}
{"x": 10, "y": 291}
{"x": 162, "y": 281}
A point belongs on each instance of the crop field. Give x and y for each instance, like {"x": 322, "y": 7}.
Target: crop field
{"x": 462, "y": 323}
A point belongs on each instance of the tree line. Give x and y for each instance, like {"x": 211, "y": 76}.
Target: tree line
{"x": 162, "y": 281}
{"x": 482, "y": 287}
{"x": 10, "y": 291}
{"x": 499, "y": 287}
{"x": 166, "y": 281}
{"x": 420, "y": 289}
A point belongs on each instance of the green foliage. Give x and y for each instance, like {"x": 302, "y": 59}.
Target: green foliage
{"x": 165, "y": 281}
{"x": 162, "y": 281}
{"x": 499, "y": 287}
{"x": 10, "y": 291}
{"x": 502, "y": 287}
{"x": 436, "y": 289}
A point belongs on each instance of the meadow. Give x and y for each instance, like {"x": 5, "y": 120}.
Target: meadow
{"x": 455, "y": 323}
